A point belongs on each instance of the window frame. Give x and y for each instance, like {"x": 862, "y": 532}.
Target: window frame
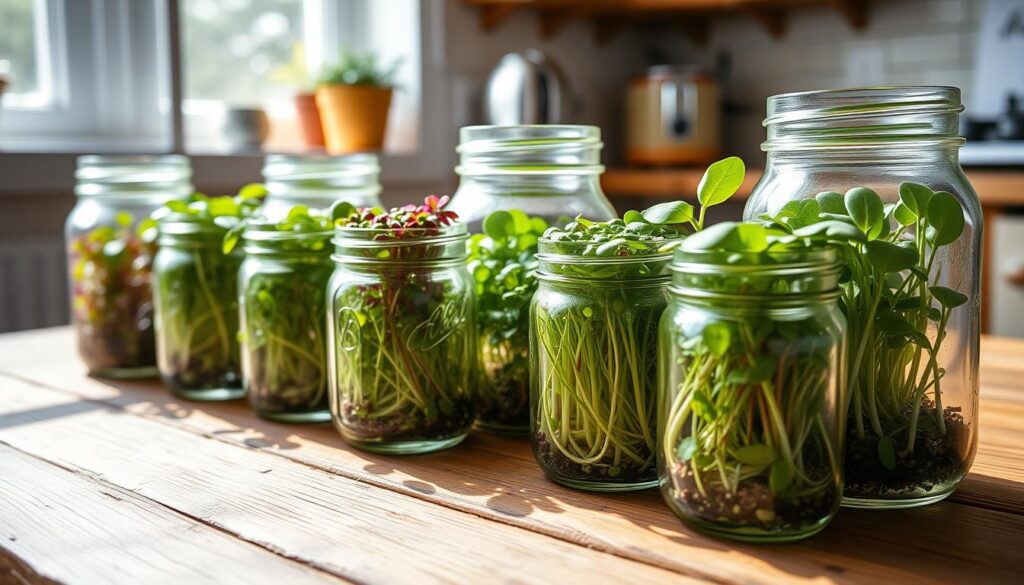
{"x": 72, "y": 125}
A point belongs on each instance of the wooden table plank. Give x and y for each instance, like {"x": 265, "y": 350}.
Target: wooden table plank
{"x": 71, "y": 526}
{"x": 351, "y": 529}
{"x": 496, "y": 478}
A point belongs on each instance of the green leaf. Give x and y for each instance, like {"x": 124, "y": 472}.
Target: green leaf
{"x": 222, "y": 206}
{"x": 915, "y": 197}
{"x": 123, "y": 218}
{"x": 833, "y": 230}
{"x": 342, "y": 210}
{"x": 703, "y": 407}
{"x": 668, "y": 213}
{"x": 831, "y": 202}
{"x": 761, "y": 370}
{"x": 721, "y": 181}
{"x": 687, "y": 447}
{"x": 252, "y": 191}
{"x": 904, "y": 215}
{"x": 717, "y": 338}
{"x": 729, "y": 237}
{"x": 633, "y": 215}
{"x": 298, "y": 212}
{"x": 231, "y": 238}
{"x": 499, "y": 225}
{"x": 520, "y": 222}
{"x": 781, "y": 475}
{"x": 948, "y": 297}
{"x": 608, "y": 248}
{"x": 945, "y": 217}
{"x": 888, "y": 257}
{"x": 887, "y": 453}
{"x": 866, "y": 210}
{"x": 759, "y": 454}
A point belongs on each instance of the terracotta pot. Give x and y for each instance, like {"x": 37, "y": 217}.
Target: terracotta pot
{"x": 353, "y": 117}
{"x": 309, "y": 119}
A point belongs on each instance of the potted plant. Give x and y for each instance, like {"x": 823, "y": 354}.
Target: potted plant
{"x": 296, "y": 74}
{"x": 353, "y": 98}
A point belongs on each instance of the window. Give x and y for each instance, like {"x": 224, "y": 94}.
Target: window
{"x": 95, "y": 75}
{"x": 24, "y": 49}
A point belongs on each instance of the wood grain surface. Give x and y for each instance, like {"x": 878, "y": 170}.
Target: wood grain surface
{"x": 479, "y": 512}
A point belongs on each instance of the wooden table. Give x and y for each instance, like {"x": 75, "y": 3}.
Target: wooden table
{"x": 119, "y": 482}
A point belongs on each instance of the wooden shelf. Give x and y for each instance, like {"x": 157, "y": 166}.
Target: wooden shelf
{"x": 995, "y": 188}
{"x": 692, "y": 16}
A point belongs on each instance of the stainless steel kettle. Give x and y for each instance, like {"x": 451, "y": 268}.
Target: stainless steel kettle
{"x": 527, "y": 88}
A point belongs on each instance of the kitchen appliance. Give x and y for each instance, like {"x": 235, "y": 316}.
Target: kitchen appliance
{"x": 673, "y": 116}
{"x": 527, "y": 88}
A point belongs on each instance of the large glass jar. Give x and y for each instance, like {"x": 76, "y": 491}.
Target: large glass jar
{"x": 110, "y": 255}
{"x": 593, "y": 353}
{"x": 751, "y": 379}
{"x": 283, "y": 300}
{"x": 195, "y": 294}
{"x": 914, "y": 332}
{"x": 317, "y": 181}
{"x": 551, "y": 173}
{"x": 402, "y": 339}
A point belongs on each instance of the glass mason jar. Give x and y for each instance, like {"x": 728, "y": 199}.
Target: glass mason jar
{"x": 914, "y": 335}
{"x": 751, "y": 393}
{"x": 317, "y": 181}
{"x": 283, "y": 303}
{"x": 402, "y": 343}
{"x": 195, "y": 293}
{"x": 110, "y": 256}
{"x": 593, "y": 352}
{"x": 549, "y": 172}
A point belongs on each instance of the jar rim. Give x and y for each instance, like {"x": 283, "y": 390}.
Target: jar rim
{"x": 529, "y": 149}
{"x": 821, "y": 263}
{"x": 863, "y": 118}
{"x": 358, "y": 237}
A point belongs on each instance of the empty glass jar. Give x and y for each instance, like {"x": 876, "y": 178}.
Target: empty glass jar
{"x": 317, "y": 181}
{"x": 552, "y": 174}
{"x": 751, "y": 380}
{"x": 283, "y": 295}
{"x": 914, "y": 325}
{"x": 402, "y": 338}
{"x": 110, "y": 255}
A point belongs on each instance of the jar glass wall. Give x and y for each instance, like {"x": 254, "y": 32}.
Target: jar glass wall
{"x": 110, "y": 256}
{"x": 912, "y": 430}
{"x": 283, "y": 303}
{"x": 403, "y": 357}
{"x": 593, "y": 352}
{"x": 751, "y": 400}
{"x": 317, "y": 181}
{"x": 549, "y": 172}
{"x": 195, "y": 295}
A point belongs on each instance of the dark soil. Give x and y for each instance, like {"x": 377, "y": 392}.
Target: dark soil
{"x": 507, "y": 403}
{"x": 195, "y": 376}
{"x": 754, "y": 504}
{"x": 937, "y": 458}
{"x": 125, "y": 341}
{"x": 407, "y": 426}
{"x": 291, "y": 397}
{"x": 555, "y": 463}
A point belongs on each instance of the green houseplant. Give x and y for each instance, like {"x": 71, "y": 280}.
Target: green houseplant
{"x": 354, "y": 96}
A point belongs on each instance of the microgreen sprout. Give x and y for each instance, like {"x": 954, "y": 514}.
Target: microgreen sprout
{"x": 594, "y": 335}
{"x": 503, "y": 266}
{"x": 195, "y": 291}
{"x": 749, "y": 413}
{"x": 283, "y": 284}
{"x": 403, "y": 328}
{"x": 902, "y": 441}
{"x": 111, "y": 300}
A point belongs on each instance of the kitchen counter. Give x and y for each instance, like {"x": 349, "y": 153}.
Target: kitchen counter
{"x": 119, "y": 482}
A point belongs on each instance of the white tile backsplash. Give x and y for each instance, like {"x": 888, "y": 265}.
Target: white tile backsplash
{"x": 919, "y": 42}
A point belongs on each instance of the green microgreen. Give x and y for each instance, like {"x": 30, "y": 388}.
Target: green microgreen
{"x": 595, "y": 333}
{"x": 503, "y": 266}
{"x": 898, "y": 315}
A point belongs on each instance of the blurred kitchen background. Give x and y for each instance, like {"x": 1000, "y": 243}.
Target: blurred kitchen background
{"x": 671, "y": 83}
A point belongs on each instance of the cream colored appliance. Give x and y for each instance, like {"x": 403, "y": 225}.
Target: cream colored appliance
{"x": 673, "y": 117}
